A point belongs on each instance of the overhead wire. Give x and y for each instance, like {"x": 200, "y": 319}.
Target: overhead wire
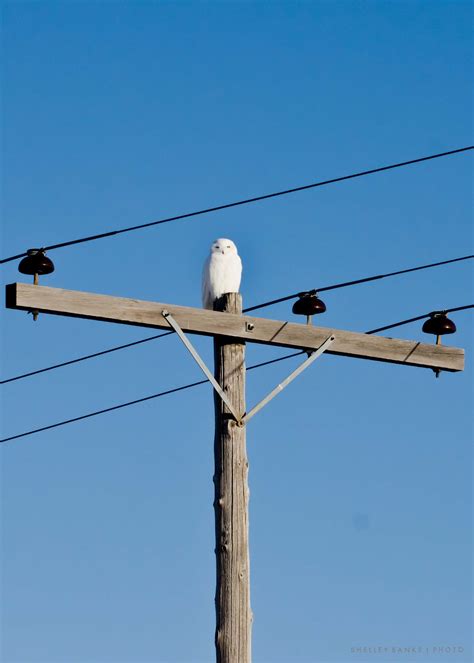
{"x": 345, "y": 284}
{"x": 246, "y": 201}
{"x": 138, "y": 400}
{"x": 419, "y": 317}
{"x": 85, "y": 357}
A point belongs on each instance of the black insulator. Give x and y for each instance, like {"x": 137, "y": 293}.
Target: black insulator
{"x": 308, "y": 305}
{"x": 439, "y": 324}
{"x": 36, "y": 263}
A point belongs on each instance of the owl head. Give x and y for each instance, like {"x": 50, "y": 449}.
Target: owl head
{"x": 223, "y": 246}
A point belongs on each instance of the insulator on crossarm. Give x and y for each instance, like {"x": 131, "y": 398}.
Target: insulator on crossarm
{"x": 438, "y": 324}
{"x": 36, "y": 263}
{"x": 308, "y": 304}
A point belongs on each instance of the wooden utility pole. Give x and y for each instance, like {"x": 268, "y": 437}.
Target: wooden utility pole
{"x": 231, "y": 330}
{"x": 231, "y": 496}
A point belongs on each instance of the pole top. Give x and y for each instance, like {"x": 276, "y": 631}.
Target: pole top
{"x": 230, "y": 302}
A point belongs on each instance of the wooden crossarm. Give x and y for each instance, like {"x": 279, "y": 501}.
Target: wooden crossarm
{"x": 241, "y": 327}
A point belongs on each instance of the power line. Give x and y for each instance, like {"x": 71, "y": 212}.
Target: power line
{"x": 246, "y": 201}
{"x": 138, "y": 400}
{"x": 419, "y": 317}
{"x": 251, "y": 308}
{"x": 356, "y": 282}
{"x": 195, "y": 384}
{"x": 91, "y": 356}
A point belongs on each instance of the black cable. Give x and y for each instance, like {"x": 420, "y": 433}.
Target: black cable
{"x": 246, "y": 201}
{"x": 108, "y": 409}
{"x": 275, "y": 361}
{"x": 95, "y": 354}
{"x": 139, "y": 400}
{"x": 356, "y": 282}
{"x": 419, "y": 317}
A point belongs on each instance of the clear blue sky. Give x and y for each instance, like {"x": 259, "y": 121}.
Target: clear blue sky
{"x": 118, "y": 113}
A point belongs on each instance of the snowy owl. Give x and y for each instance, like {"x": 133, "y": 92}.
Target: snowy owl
{"x": 222, "y": 271}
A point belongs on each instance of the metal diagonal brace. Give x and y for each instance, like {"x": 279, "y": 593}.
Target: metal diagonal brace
{"x": 241, "y": 421}
{"x": 314, "y": 355}
{"x": 172, "y": 322}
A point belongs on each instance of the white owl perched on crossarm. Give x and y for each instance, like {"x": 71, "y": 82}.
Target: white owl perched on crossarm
{"x": 222, "y": 271}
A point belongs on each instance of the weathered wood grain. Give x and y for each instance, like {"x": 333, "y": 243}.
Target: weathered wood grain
{"x": 231, "y": 496}
{"x": 244, "y": 328}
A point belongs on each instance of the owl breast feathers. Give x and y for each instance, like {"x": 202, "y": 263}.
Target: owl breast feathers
{"x": 222, "y": 271}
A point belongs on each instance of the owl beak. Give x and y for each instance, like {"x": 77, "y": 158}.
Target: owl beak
{"x": 222, "y": 252}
